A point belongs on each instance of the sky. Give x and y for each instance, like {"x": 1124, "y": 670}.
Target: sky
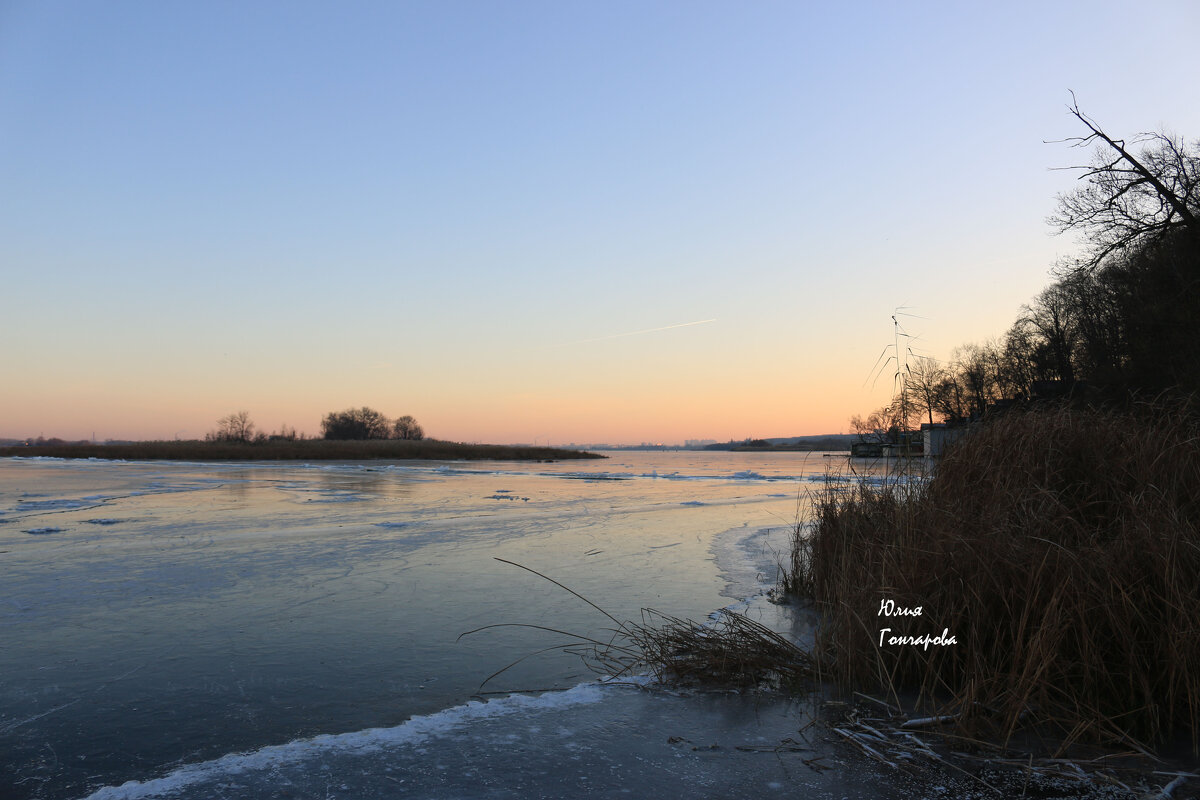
{"x": 535, "y": 221}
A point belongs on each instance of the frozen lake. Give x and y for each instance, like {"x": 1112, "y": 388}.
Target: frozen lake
{"x": 282, "y": 630}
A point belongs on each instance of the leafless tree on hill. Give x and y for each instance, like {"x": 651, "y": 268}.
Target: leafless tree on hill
{"x": 1130, "y": 199}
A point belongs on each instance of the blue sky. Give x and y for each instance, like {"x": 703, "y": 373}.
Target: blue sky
{"x": 453, "y": 209}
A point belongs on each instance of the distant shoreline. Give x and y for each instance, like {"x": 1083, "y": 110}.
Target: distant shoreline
{"x": 299, "y": 450}
{"x": 786, "y": 448}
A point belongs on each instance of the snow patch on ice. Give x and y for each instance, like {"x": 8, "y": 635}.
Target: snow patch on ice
{"x": 339, "y": 498}
{"x": 744, "y": 475}
{"x": 54, "y": 505}
{"x": 591, "y": 476}
{"x": 415, "y": 731}
{"x": 749, "y": 558}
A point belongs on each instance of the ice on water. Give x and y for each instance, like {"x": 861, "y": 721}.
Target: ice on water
{"x": 268, "y": 630}
{"x": 588, "y": 741}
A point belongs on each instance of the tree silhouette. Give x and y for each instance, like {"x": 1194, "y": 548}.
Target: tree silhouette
{"x": 356, "y": 423}
{"x": 406, "y": 427}
{"x": 1130, "y": 199}
{"x": 236, "y": 427}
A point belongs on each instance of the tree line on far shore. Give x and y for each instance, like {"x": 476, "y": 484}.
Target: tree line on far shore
{"x": 1119, "y": 323}
{"x": 352, "y": 423}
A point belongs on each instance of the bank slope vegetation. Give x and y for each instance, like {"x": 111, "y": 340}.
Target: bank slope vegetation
{"x": 1058, "y": 540}
{"x": 1120, "y": 322}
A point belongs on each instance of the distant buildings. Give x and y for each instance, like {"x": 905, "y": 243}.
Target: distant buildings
{"x": 931, "y": 440}
{"x": 938, "y": 435}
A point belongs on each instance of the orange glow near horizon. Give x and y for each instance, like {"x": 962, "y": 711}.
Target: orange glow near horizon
{"x": 558, "y": 227}
{"x": 591, "y": 405}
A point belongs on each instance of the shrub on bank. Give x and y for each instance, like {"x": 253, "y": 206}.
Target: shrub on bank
{"x": 1059, "y": 549}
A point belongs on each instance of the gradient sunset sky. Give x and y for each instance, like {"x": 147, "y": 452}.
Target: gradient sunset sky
{"x": 519, "y": 221}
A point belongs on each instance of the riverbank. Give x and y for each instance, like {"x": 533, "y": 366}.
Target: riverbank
{"x": 1034, "y": 597}
{"x": 300, "y": 450}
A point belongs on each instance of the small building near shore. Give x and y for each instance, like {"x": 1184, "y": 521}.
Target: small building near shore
{"x": 939, "y": 435}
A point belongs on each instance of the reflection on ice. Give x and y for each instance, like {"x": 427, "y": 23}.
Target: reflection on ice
{"x": 212, "y": 609}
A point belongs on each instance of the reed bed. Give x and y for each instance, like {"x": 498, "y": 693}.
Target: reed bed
{"x": 1061, "y": 552}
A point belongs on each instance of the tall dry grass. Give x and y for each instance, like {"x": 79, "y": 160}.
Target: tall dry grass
{"x": 729, "y": 650}
{"x": 1061, "y": 549}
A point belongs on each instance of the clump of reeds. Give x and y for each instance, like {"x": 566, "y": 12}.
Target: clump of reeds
{"x": 730, "y": 650}
{"x": 1061, "y": 550}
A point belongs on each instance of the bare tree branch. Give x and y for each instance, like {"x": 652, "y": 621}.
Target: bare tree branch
{"x": 1125, "y": 198}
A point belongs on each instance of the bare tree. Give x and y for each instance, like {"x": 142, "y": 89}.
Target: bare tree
{"x": 976, "y": 375}
{"x": 952, "y": 398}
{"x": 1019, "y": 344}
{"x": 1130, "y": 199}
{"x": 1052, "y": 316}
{"x": 286, "y": 434}
{"x": 875, "y": 427}
{"x": 884, "y": 424}
{"x": 236, "y": 427}
{"x": 1096, "y": 298}
{"x": 923, "y": 381}
{"x": 407, "y": 428}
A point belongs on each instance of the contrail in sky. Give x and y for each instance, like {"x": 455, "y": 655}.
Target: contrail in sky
{"x": 639, "y": 333}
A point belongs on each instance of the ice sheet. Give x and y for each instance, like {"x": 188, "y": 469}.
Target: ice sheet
{"x": 210, "y": 610}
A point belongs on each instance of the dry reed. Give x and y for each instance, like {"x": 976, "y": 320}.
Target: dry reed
{"x": 1060, "y": 549}
{"x": 730, "y": 650}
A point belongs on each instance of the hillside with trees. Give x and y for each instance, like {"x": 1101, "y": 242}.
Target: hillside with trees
{"x": 1059, "y": 540}
{"x": 1120, "y": 322}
